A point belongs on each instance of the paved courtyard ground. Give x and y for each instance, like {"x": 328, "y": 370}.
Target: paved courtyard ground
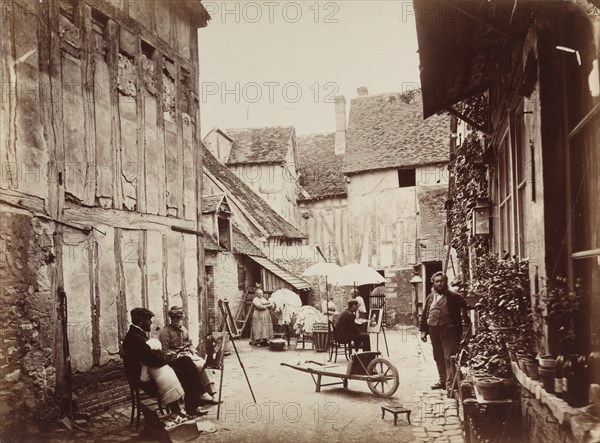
{"x": 289, "y": 409}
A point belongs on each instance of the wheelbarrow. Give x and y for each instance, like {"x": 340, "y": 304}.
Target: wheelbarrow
{"x": 380, "y": 374}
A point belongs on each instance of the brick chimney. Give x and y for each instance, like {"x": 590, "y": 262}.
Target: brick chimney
{"x": 340, "y": 125}
{"x": 362, "y": 91}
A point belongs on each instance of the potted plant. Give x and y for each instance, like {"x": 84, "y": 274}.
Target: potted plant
{"x": 502, "y": 286}
{"x": 491, "y": 388}
{"x": 559, "y": 309}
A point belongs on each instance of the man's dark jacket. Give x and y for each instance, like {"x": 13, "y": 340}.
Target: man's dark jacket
{"x": 345, "y": 327}
{"x": 454, "y": 302}
{"x": 137, "y": 352}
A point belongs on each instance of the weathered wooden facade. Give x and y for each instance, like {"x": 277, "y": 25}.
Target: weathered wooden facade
{"x": 244, "y": 237}
{"x": 266, "y": 160}
{"x": 100, "y": 192}
{"x": 536, "y": 65}
{"x": 374, "y": 191}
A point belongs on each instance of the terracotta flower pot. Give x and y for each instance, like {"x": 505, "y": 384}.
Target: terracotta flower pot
{"x": 531, "y": 368}
{"x": 478, "y": 375}
{"x": 546, "y": 361}
{"x": 547, "y": 377}
{"x": 491, "y": 388}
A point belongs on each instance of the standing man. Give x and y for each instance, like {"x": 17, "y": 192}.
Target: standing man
{"x": 347, "y": 330}
{"x": 175, "y": 341}
{"x": 361, "y": 312}
{"x": 138, "y": 352}
{"x": 442, "y": 321}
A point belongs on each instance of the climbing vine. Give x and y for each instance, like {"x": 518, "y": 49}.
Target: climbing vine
{"x": 468, "y": 172}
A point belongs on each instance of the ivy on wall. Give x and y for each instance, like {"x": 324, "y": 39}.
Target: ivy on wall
{"x": 468, "y": 173}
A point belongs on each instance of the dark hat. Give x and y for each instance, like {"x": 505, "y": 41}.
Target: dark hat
{"x": 138, "y": 313}
{"x": 176, "y": 311}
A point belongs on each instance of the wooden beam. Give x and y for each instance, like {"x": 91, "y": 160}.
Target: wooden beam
{"x": 467, "y": 120}
{"x": 124, "y": 219}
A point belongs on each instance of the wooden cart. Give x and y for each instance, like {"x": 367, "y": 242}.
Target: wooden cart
{"x": 380, "y": 374}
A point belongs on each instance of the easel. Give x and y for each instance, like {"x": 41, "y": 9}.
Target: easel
{"x": 379, "y": 305}
{"x": 227, "y": 323}
{"x": 384, "y": 339}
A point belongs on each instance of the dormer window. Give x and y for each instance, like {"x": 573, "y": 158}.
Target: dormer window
{"x": 224, "y": 232}
{"x": 216, "y": 210}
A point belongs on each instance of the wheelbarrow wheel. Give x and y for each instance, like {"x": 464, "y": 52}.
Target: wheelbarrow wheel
{"x": 384, "y": 382}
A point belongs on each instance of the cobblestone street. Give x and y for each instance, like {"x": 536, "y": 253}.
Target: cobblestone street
{"x": 289, "y": 409}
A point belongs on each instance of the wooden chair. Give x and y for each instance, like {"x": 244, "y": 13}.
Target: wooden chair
{"x": 335, "y": 346}
{"x": 150, "y": 390}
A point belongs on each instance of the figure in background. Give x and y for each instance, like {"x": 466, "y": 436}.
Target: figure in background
{"x": 347, "y": 330}
{"x": 176, "y": 342}
{"x": 328, "y": 308}
{"x": 137, "y": 353}
{"x": 442, "y": 321}
{"x": 262, "y": 323}
{"x": 361, "y": 312}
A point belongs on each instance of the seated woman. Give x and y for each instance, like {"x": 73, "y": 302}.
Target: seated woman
{"x": 176, "y": 343}
{"x": 262, "y": 324}
{"x": 329, "y": 309}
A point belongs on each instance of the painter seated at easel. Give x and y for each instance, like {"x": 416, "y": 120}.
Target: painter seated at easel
{"x": 176, "y": 343}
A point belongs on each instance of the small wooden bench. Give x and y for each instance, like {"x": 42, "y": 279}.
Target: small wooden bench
{"x": 396, "y": 410}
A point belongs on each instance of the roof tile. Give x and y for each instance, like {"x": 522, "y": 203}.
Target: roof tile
{"x": 259, "y": 145}
{"x": 388, "y": 131}
{"x": 320, "y": 169}
{"x": 260, "y": 211}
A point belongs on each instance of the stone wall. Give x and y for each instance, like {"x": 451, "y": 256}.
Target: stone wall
{"x": 539, "y": 423}
{"x": 224, "y": 284}
{"x": 100, "y": 389}
{"x": 29, "y": 322}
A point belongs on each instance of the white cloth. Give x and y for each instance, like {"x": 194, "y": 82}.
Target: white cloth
{"x": 362, "y": 308}
{"x": 169, "y": 387}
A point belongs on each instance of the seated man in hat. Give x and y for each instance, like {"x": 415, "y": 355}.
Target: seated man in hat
{"x": 176, "y": 343}
{"x": 348, "y": 331}
{"x": 138, "y": 353}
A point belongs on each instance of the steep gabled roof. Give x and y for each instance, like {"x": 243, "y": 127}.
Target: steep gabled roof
{"x": 320, "y": 169}
{"x": 260, "y": 212}
{"x": 211, "y": 203}
{"x": 242, "y": 244}
{"x": 259, "y": 145}
{"x": 388, "y": 131}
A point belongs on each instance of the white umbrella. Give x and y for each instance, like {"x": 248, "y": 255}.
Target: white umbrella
{"x": 356, "y": 274}
{"x": 325, "y": 269}
{"x": 284, "y": 296}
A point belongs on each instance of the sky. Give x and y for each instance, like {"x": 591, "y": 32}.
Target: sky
{"x": 281, "y": 63}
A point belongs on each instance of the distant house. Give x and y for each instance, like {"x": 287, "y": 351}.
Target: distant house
{"x": 374, "y": 191}
{"x": 265, "y": 159}
{"x": 242, "y": 234}
{"x": 396, "y": 166}
{"x": 322, "y": 200}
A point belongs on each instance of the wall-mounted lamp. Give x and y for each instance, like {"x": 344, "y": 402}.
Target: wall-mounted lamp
{"x": 481, "y": 217}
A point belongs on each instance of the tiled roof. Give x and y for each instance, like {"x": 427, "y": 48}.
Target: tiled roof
{"x": 388, "y": 131}
{"x": 210, "y": 244}
{"x": 210, "y": 203}
{"x": 320, "y": 169}
{"x": 242, "y": 244}
{"x": 254, "y": 205}
{"x": 259, "y": 145}
{"x": 282, "y": 273}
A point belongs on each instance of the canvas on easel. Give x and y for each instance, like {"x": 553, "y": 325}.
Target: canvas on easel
{"x": 375, "y": 318}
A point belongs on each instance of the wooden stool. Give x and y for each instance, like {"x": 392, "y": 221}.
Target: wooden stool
{"x": 395, "y": 410}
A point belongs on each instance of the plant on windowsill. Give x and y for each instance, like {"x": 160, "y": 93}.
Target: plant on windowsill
{"x": 559, "y": 309}
{"x": 502, "y": 286}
